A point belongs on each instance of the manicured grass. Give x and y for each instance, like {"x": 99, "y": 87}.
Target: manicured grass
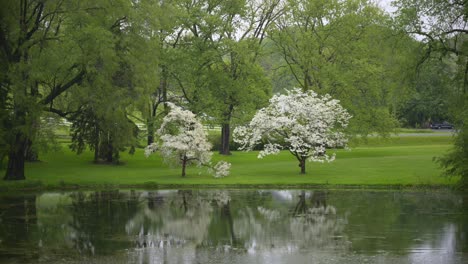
{"x": 397, "y": 161}
{"x": 415, "y": 130}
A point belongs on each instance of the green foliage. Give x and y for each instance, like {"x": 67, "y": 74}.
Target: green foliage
{"x": 356, "y": 56}
{"x": 105, "y": 135}
{"x": 441, "y": 26}
{"x": 429, "y": 100}
{"x": 219, "y": 44}
{"x": 455, "y": 162}
{"x": 97, "y": 63}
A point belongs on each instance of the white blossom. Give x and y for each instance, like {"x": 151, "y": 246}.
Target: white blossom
{"x": 150, "y": 149}
{"x": 301, "y": 122}
{"x": 182, "y": 139}
{"x": 221, "y": 169}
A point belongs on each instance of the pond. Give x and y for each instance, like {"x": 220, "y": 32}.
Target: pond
{"x": 235, "y": 226}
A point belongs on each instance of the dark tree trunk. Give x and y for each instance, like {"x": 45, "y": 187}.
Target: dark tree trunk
{"x": 2, "y": 158}
{"x": 302, "y": 164}
{"x": 110, "y": 153}
{"x": 184, "y": 164}
{"x": 150, "y": 139}
{"x": 163, "y": 87}
{"x": 225, "y": 136}
{"x": 31, "y": 154}
{"x": 96, "y": 153}
{"x": 15, "y": 167}
{"x": 150, "y": 131}
{"x": 96, "y": 143}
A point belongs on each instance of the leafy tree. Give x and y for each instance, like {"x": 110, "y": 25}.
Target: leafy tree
{"x": 428, "y": 100}
{"x": 301, "y": 122}
{"x": 105, "y": 135}
{"x": 183, "y": 141}
{"x": 349, "y": 50}
{"x": 221, "y": 43}
{"x": 455, "y": 163}
{"x": 102, "y": 116}
{"x": 48, "y": 48}
{"x": 162, "y": 32}
{"x": 33, "y": 36}
{"x": 442, "y": 30}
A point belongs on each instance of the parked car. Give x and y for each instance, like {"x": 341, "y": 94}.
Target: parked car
{"x": 443, "y": 125}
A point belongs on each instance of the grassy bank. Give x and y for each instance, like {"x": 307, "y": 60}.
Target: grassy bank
{"x": 403, "y": 161}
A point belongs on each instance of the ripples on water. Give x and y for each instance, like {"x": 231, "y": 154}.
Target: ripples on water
{"x": 234, "y": 226}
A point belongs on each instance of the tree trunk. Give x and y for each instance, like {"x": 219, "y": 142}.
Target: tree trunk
{"x": 31, "y": 154}
{"x": 225, "y": 136}
{"x": 184, "y": 164}
{"x": 96, "y": 144}
{"x": 2, "y": 158}
{"x": 150, "y": 131}
{"x": 109, "y": 152}
{"x": 302, "y": 164}
{"x": 150, "y": 139}
{"x": 15, "y": 167}
{"x": 96, "y": 152}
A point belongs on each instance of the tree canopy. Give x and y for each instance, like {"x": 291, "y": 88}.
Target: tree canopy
{"x": 112, "y": 68}
{"x": 302, "y": 122}
{"x": 183, "y": 141}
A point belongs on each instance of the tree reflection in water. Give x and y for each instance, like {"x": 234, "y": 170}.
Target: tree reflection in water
{"x": 310, "y": 224}
{"x": 221, "y": 226}
{"x": 171, "y": 221}
{"x": 98, "y": 216}
{"x": 174, "y": 221}
{"x": 18, "y": 213}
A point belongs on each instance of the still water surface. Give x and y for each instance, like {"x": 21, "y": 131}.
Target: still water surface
{"x": 235, "y": 226}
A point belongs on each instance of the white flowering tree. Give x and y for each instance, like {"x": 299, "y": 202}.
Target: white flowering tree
{"x": 302, "y": 122}
{"x": 182, "y": 140}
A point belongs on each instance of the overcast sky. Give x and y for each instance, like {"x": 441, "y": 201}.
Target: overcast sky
{"x": 386, "y": 5}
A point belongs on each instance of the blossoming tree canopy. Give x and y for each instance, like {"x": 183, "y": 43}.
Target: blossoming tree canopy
{"x": 302, "y": 122}
{"x": 183, "y": 141}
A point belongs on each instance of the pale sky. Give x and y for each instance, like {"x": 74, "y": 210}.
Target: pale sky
{"x": 386, "y": 5}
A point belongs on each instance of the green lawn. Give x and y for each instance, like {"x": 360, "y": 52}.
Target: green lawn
{"x": 397, "y": 161}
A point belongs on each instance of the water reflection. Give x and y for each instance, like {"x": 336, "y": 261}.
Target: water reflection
{"x": 234, "y": 226}
{"x": 18, "y": 213}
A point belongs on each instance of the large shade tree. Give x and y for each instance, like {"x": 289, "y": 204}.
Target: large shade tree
{"x": 442, "y": 29}
{"x": 102, "y": 109}
{"x": 303, "y": 123}
{"x": 220, "y": 42}
{"x": 41, "y": 57}
{"x": 347, "y": 49}
{"x": 53, "y": 54}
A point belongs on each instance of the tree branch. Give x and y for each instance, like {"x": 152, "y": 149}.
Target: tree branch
{"x": 36, "y": 22}
{"x": 58, "y": 90}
